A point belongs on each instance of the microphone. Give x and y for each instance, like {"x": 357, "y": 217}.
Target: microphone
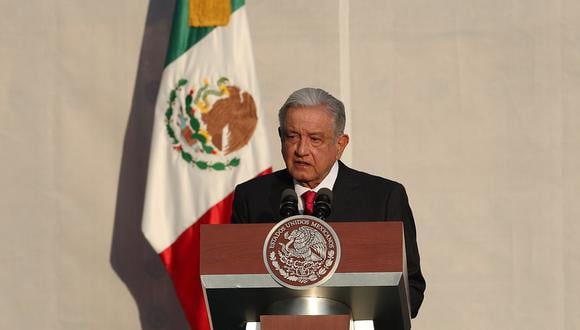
{"x": 288, "y": 203}
{"x": 322, "y": 203}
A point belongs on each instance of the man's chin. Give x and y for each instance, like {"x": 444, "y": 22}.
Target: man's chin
{"x": 300, "y": 176}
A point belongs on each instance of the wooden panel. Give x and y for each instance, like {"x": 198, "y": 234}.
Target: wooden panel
{"x": 366, "y": 247}
{"x": 233, "y": 249}
{"x": 370, "y": 246}
{"x": 305, "y": 322}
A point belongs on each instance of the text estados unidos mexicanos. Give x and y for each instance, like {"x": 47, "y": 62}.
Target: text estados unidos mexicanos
{"x": 304, "y": 222}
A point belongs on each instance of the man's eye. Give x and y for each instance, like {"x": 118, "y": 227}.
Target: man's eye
{"x": 316, "y": 140}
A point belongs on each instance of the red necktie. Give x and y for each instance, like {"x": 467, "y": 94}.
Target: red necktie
{"x": 308, "y": 198}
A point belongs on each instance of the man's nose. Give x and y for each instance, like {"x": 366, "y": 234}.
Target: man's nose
{"x": 302, "y": 148}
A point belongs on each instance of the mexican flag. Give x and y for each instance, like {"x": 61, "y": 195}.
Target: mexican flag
{"x": 207, "y": 137}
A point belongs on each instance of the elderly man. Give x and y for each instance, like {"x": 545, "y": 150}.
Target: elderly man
{"x": 312, "y": 135}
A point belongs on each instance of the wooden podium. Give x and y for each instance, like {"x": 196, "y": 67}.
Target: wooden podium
{"x": 371, "y": 279}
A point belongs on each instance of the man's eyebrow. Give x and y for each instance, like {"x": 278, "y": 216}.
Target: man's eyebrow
{"x": 316, "y": 134}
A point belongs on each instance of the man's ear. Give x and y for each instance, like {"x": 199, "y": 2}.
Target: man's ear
{"x": 280, "y": 133}
{"x": 342, "y": 143}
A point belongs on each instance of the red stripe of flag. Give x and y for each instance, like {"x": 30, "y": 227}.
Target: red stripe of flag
{"x": 181, "y": 260}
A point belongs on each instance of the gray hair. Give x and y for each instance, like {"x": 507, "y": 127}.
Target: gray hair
{"x": 309, "y": 97}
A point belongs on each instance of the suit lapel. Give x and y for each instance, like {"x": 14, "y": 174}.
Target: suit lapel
{"x": 344, "y": 194}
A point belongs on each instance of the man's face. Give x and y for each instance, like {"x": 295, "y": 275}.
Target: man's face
{"x": 309, "y": 144}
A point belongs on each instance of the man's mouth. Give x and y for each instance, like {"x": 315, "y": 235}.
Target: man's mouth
{"x": 300, "y": 163}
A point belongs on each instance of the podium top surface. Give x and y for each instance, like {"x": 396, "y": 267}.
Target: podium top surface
{"x": 366, "y": 247}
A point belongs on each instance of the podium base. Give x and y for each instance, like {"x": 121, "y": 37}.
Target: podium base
{"x": 309, "y": 306}
{"x": 356, "y": 325}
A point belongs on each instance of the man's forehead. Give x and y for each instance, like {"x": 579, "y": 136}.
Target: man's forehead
{"x": 312, "y": 121}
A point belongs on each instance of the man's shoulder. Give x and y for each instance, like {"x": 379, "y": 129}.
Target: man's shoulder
{"x": 371, "y": 181}
{"x": 280, "y": 177}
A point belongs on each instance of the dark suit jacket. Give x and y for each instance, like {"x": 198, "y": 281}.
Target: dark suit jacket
{"x": 356, "y": 196}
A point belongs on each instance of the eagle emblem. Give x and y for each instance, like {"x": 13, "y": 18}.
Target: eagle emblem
{"x": 208, "y": 123}
{"x": 301, "y": 252}
{"x": 304, "y": 243}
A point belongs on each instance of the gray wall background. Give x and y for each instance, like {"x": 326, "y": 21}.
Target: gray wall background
{"x": 474, "y": 105}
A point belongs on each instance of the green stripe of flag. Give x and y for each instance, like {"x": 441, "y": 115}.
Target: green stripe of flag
{"x": 183, "y": 36}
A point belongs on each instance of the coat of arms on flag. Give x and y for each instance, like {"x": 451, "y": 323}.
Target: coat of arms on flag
{"x": 206, "y": 125}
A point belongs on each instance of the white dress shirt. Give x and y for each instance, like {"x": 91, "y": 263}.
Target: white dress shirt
{"x": 328, "y": 182}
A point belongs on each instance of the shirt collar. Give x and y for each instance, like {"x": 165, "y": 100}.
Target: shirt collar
{"x": 327, "y": 182}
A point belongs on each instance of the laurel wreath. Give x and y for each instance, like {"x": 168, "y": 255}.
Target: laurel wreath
{"x": 195, "y": 126}
{"x": 289, "y": 273}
